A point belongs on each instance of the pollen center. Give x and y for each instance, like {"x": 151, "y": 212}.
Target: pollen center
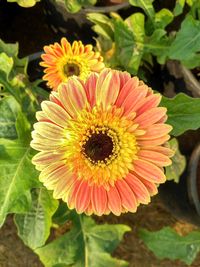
{"x": 71, "y": 69}
{"x": 99, "y": 147}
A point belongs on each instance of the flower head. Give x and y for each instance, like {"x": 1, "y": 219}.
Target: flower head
{"x": 101, "y": 143}
{"x": 64, "y": 60}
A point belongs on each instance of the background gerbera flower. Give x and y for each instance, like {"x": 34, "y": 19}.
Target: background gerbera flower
{"x": 101, "y": 143}
{"x": 64, "y": 60}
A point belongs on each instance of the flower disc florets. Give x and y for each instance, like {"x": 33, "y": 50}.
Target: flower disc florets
{"x": 101, "y": 143}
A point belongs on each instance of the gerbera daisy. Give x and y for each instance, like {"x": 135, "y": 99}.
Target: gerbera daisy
{"x": 101, "y": 143}
{"x": 64, "y": 60}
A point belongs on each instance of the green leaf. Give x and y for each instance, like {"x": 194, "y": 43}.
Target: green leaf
{"x": 10, "y": 64}
{"x": 163, "y": 18}
{"x": 166, "y": 243}
{"x": 136, "y": 24}
{"x": 132, "y": 45}
{"x": 186, "y": 45}
{"x": 86, "y": 244}
{"x": 183, "y": 113}
{"x": 74, "y": 6}
{"x": 17, "y": 176}
{"x": 146, "y": 5}
{"x": 23, "y": 128}
{"x": 62, "y": 213}
{"x": 34, "y": 226}
{"x": 178, "y": 9}
{"x": 25, "y": 3}
{"x": 6, "y": 64}
{"x": 174, "y": 171}
{"x": 10, "y": 49}
{"x": 103, "y": 25}
{"x": 157, "y": 44}
{"x": 128, "y": 50}
{"x": 9, "y": 109}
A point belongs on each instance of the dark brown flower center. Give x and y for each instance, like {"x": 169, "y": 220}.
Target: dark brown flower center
{"x": 98, "y": 147}
{"x": 71, "y": 69}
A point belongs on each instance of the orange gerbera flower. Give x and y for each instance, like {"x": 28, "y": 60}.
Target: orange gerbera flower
{"x": 65, "y": 60}
{"x": 101, "y": 143}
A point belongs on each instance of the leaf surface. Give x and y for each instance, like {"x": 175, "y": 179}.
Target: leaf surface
{"x": 183, "y": 113}
{"x": 86, "y": 244}
{"x": 34, "y": 226}
{"x": 174, "y": 171}
{"x": 166, "y": 243}
{"x": 186, "y": 46}
{"x": 9, "y": 109}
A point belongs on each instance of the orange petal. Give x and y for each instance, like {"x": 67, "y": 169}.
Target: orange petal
{"x": 99, "y": 200}
{"x": 128, "y": 198}
{"x": 151, "y": 187}
{"x": 114, "y": 201}
{"x": 161, "y": 149}
{"x": 153, "y": 142}
{"x": 154, "y": 157}
{"x": 148, "y": 171}
{"x": 128, "y": 87}
{"x": 150, "y": 117}
{"x": 147, "y": 103}
{"x": 138, "y": 188}
{"x": 83, "y": 196}
{"x": 155, "y": 131}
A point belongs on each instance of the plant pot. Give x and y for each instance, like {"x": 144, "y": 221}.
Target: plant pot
{"x": 182, "y": 199}
{"x": 76, "y": 25}
{"x": 194, "y": 179}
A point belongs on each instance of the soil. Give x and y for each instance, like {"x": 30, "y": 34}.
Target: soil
{"x": 29, "y": 27}
{"x": 13, "y": 253}
{"x": 198, "y": 178}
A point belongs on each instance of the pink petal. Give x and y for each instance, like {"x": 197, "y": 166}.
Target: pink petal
{"x": 90, "y": 88}
{"x": 55, "y": 113}
{"x": 107, "y": 89}
{"x": 124, "y": 77}
{"x": 39, "y": 139}
{"x": 73, "y": 96}
{"x": 72, "y": 194}
{"x": 54, "y": 97}
{"x": 114, "y": 201}
{"x": 133, "y": 98}
{"x": 150, "y": 116}
{"x": 83, "y": 196}
{"x": 128, "y": 87}
{"x": 140, "y": 191}
{"x": 128, "y": 198}
{"x": 46, "y": 157}
{"x": 99, "y": 199}
{"x": 49, "y": 130}
{"x": 147, "y": 103}
{"x": 41, "y": 116}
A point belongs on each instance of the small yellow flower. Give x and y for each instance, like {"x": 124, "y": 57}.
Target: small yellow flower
{"x": 64, "y": 60}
